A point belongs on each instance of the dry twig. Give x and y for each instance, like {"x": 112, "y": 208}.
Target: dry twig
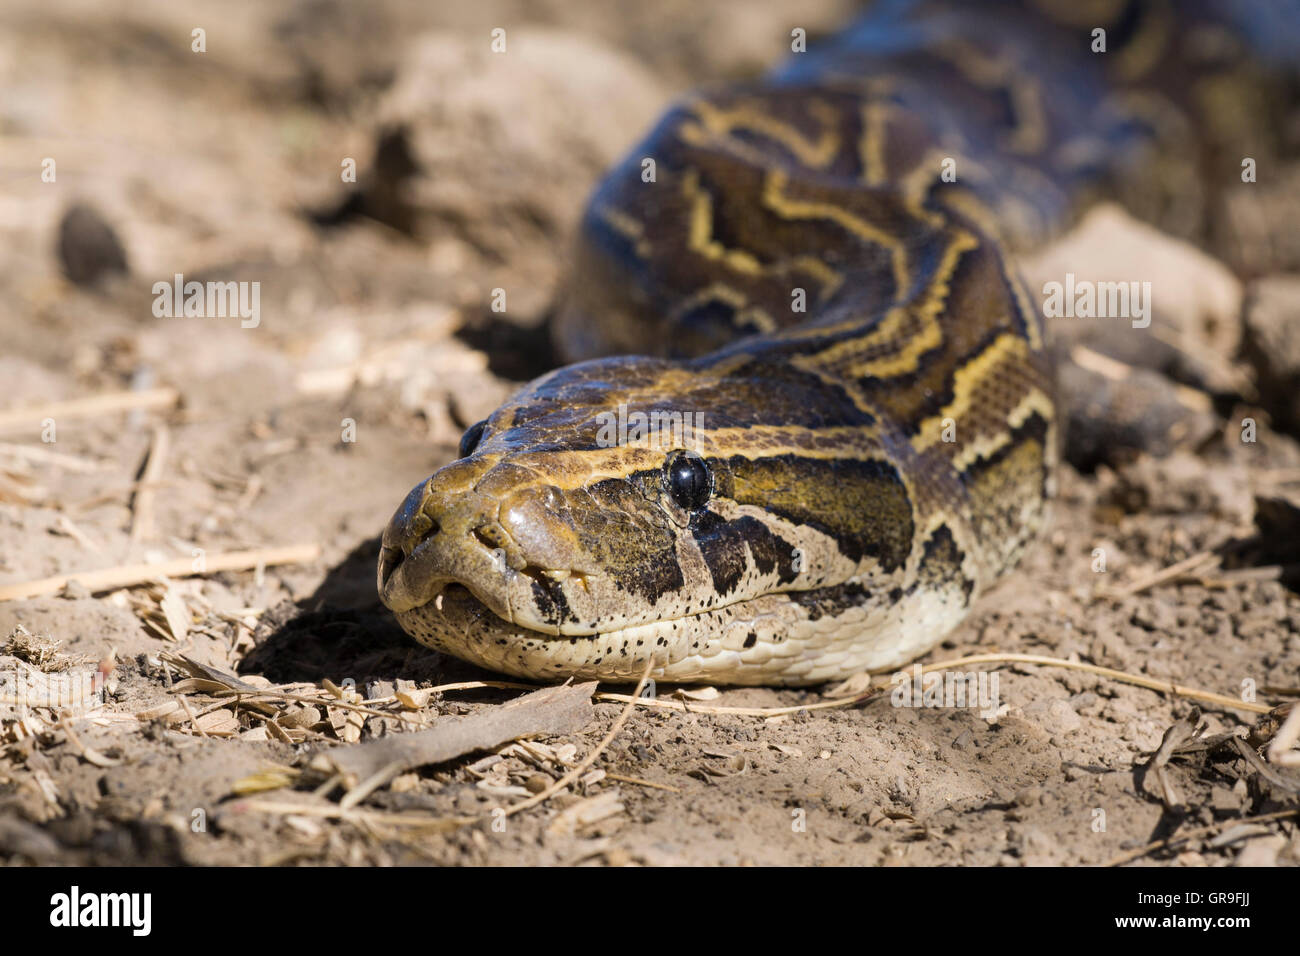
{"x": 30, "y": 417}
{"x": 129, "y": 575}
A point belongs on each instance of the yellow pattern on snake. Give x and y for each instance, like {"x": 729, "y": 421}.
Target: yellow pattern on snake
{"x": 836, "y": 430}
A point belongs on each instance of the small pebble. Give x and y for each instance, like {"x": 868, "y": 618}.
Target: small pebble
{"x": 88, "y": 247}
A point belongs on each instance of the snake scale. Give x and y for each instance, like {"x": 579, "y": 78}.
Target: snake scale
{"x": 829, "y": 424}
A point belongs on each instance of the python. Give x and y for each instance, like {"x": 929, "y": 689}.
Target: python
{"x": 863, "y": 471}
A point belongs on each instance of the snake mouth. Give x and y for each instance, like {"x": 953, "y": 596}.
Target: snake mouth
{"x": 454, "y": 611}
{"x": 406, "y": 586}
{"x": 456, "y": 596}
{"x": 417, "y": 581}
{"x": 404, "y": 579}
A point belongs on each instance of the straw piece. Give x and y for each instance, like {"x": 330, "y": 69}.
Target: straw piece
{"x": 129, "y": 575}
{"x": 31, "y": 416}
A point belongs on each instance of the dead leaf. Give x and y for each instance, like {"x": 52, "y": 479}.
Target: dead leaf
{"x": 304, "y": 716}
{"x": 697, "y": 693}
{"x": 1177, "y": 736}
{"x": 176, "y": 612}
{"x": 198, "y": 685}
{"x": 218, "y": 723}
{"x": 161, "y": 710}
{"x": 858, "y": 683}
{"x": 271, "y": 778}
{"x": 414, "y": 699}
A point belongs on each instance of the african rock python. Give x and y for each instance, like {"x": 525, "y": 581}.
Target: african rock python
{"x": 816, "y": 490}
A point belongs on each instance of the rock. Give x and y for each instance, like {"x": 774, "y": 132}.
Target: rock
{"x": 89, "y": 249}
{"x": 1256, "y": 230}
{"x": 1261, "y": 851}
{"x": 1142, "y": 380}
{"x": 1195, "y": 301}
{"x": 336, "y": 47}
{"x": 1057, "y": 717}
{"x": 1182, "y": 483}
{"x": 1035, "y": 847}
{"x": 497, "y": 147}
{"x": 1272, "y": 346}
{"x": 1112, "y": 411}
{"x": 1278, "y": 522}
{"x": 23, "y": 839}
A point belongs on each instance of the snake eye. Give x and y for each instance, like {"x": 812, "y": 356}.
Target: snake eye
{"x": 687, "y": 480}
{"x": 469, "y": 441}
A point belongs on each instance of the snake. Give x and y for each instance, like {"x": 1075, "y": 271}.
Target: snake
{"x": 810, "y": 418}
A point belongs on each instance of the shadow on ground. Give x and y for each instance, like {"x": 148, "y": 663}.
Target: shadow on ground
{"x": 343, "y": 631}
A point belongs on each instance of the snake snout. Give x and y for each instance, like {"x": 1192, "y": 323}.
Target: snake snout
{"x": 389, "y": 559}
{"x": 410, "y": 526}
{"x": 411, "y": 523}
{"x": 445, "y": 532}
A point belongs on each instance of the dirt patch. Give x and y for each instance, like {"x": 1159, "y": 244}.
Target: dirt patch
{"x": 375, "y": 346}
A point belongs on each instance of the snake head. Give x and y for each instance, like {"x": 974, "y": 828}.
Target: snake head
{"x": 628, "y": 508}
{"x": 567, "y": 514}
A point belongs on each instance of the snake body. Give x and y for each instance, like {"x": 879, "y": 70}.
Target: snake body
{"x": 836, "y": 429}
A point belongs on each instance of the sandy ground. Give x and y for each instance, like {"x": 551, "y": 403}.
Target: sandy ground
{"x": 375, "y": 347}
